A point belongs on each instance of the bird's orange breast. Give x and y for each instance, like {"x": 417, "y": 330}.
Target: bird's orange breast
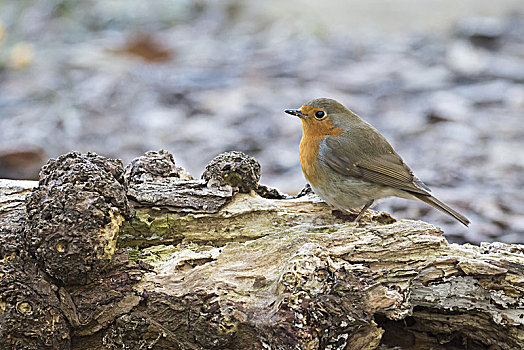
{"x": 313, "y": 131}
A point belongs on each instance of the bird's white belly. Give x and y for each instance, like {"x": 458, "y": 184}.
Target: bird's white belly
{"x": 346, "y": 193}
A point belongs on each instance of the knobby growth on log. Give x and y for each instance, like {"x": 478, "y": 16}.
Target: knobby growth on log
{"x": 98, "y": 256}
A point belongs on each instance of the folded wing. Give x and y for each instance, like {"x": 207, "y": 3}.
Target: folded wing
{"x": 373, "y": 160}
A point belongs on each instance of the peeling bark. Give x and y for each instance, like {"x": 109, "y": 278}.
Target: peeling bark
{"x": 211, "y": 264}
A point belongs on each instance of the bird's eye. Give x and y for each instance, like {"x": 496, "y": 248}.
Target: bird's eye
{"x": 320, "y": 114}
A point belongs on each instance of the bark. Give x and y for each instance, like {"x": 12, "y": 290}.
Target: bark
{"x": 97, "y": 257}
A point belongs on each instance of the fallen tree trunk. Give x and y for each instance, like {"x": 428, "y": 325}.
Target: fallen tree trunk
{"x": 98, "y": 257}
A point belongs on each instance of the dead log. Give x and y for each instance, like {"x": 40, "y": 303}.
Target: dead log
{"x": 97, "y": 257}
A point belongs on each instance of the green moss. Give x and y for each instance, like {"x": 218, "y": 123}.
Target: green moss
{"x": 148, "y": 228}
{"x": 330, "y": 229}
{"x": 152, "y": 254}
{"x": 233, "y": 179}
{"x": 154, "y": 227}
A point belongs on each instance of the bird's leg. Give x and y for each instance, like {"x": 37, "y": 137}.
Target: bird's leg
{"x": 359, "y": 216}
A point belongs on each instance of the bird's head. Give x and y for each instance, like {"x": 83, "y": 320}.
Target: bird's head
{"x": 324, "y": 116}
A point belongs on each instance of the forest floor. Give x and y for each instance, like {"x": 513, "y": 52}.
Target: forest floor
{"x": 199, "y": 78}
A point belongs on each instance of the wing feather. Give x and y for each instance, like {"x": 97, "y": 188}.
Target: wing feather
{"x": 373, "y": 160}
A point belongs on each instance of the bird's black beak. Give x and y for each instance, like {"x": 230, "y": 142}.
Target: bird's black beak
{"x": 295, "y": 112}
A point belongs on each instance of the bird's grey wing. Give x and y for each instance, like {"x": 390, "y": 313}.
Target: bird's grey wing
{"x": 373, "y": 160}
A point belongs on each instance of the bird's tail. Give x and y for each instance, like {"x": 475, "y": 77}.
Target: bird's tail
{"x": 435, "y": 203}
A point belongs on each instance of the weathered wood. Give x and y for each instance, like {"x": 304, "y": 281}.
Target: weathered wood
{"x": 320, "y": 281}
{"x": 257, "y": 273}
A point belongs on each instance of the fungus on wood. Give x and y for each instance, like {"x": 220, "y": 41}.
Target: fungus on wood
{"x": 226, "y": 263}
{"x": 74, "y": 215}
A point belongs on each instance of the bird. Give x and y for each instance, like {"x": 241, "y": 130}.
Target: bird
{"x": 349, "y": 164}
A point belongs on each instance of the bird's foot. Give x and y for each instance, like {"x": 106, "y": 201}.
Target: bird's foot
{"x": 362, "y": 211}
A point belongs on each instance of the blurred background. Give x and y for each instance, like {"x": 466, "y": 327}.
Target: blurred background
{"x": 442, "y": 80}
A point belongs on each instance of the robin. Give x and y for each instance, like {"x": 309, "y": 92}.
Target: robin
{"x": 349, "y": 164}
